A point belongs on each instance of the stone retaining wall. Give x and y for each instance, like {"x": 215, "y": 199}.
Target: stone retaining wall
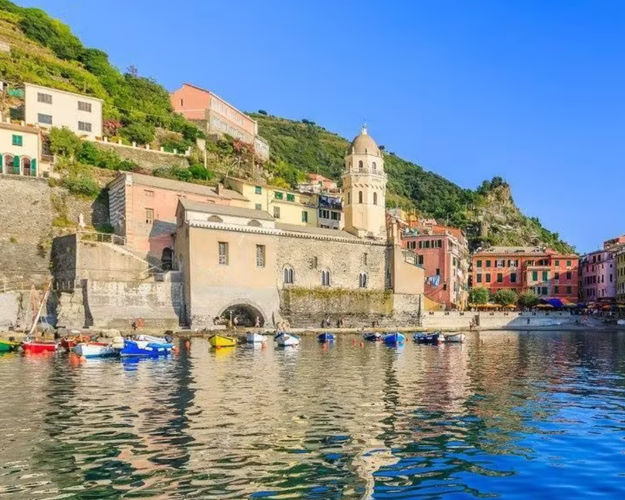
{"x": 145, "y": 158}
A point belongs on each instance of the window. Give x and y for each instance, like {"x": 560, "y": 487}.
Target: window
{"x": 335, "y": 215}
{"x": 16, "y": 140}
{"x": 359, "y": 196}
{"x": 420, "y": 260}
{"x": 556, "y": 289}
{"x": 512, "y": 277}
{"x": 569, "y": 289}
{"x": 557, "y": 263}
{"x": 276, "y": 212}
{"x": 556, "y": 275}
{"x": 499, "y": 277}
{"x": 84, "y": 106}
{"x": 375, "y": 198}
{"x": 45, "y": 98}
{"x": 313, "y": 263}
{"x": 363, "y": 280}
{"x": 365, "y": 258}
{"x": 148, "y": 193}
{"x": 288, "y": 275}
{"x": 488, "y": 263}
{"x": 544, "y": 290}
{"x": 479, "y": 278}
{"x": 304, "y": 216}
{"x": 438, "y": 271}
{"x": 487, "y": 277}
{"x": 278, "y": 195}
{"x": 84, "y": 126}
{"x": 258, "y": 190}
{"x": 534, "y": 275}
{"x": 545, "y": 275}
{"x": 360, "y": 166}
{"x": 258, "y": 206}
{"x": 374, "y": 166}
{"x": 182, "y": 102}
{"x": 568, "y": 263}
{"x": 149, "y": 215}
{"x": 260, "y": 255}
{"x": 325, "y": 278}
{"x": 349, "y": 198}
{"x": 47, "y": 119}
{"x": 479, "y": 263}
{"x": 223, "y": 253}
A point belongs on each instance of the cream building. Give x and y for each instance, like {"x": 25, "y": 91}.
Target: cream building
{"x": 20, "y": 151}
{"x": 246, "y": 262}
{"x": 47, "y": 108}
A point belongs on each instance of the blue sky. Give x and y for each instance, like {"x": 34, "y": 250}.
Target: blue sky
{"x": 530, "y": 90}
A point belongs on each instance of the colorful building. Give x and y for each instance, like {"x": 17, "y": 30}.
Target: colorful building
{"x": 443, "y": 253}
{"x": 47, "y": 108}
{"x": 318, "y": 184}
{"x": 217, "y": 116}
{"x": 542, "y": 271}
{"x": 619, "y": 259}
{"x": 142, "y": 208}
{"x": 21, "y": 151}
{"x": 599, "y": 272}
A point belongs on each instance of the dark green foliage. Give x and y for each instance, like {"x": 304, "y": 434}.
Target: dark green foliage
{"x": 64, "y": 142}
{"x": 105, "y": 158}
{"x": 37, "y": 25}
{"x": 527, "y": 299}
{"x": 479, "y": 295}
{"x": 505, "y": 297}
{"x": 139, "y": 132}
{"x": 262, "y": 112}
{"x": 201, "y": 173}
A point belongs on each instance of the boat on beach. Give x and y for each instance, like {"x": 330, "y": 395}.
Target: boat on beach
{"x": 326, "y": 337}
{"x": 38, "y": 346}
{"x": 255, "y": 338}
{"x": 428, "y": 338}
{"x": 8, "y": 345}
{"x": 395, "y": 338}
{"x": 285, "y": 339}
{"x": 218, "y": 341}
{"x": 95, "y": 350}
{"x": 372, "y": 337}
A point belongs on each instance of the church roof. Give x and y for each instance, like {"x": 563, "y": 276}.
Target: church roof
{"x": 322, "y": 231}
{"x": 212, "y": 208}
{"x": 364, "y": 144}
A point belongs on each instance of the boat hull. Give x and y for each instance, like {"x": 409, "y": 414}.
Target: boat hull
{"x": 422, "y": 338}
{"x": 95, "y": 350}
{"x": 222, "y": 341}
{"x": 456, "y": 338}
{"x": 373, "y": 337}
{"x": 394, "y": 339}
{"x": 38, "y": 347}
{"x": 143, "y": 348}
{"x": 8, "y": 345}
{"x": 286, "y": 340}
{"x": 326, "y": 337}
{"x": 255, "y": 338}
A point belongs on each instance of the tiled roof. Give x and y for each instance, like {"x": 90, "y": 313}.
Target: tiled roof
{"x": 211, "y": 208}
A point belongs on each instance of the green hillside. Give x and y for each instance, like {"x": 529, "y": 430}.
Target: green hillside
{"x": 44, "y": 51}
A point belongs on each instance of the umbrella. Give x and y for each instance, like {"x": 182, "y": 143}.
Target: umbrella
{"x": 544, "y": 306}
{"x": 557, "y": 303}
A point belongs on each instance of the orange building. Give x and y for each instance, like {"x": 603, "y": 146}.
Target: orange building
{"x": 535, "y": 269}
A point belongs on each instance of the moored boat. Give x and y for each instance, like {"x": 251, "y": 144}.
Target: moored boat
{"x": 68, "y": 343}
{"x": 428, "y": 338}
{"x": 95, "y": 350}
{"x": 145, "y": 348}
{"x": 395, "y": 338}
{"x": 38, "y": 346}
{"x": 255, "y": 338}
{"x": 286, "y": 339}
{"x": 326, "y": 337}
{"x": 8, "y": 345}
{"x": 218, "y": 341}
{"x": 455, "y": 338}
{"x": 373, "y": 337}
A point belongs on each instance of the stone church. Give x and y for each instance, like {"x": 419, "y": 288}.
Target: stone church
{"x": 242, "y": 262}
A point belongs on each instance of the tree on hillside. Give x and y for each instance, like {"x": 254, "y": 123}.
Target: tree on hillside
{"x": 527, "y": 299}
{"x": 505, "y": 297}
{"x": 479, "y": 295}
{"x": 64, "y": 142}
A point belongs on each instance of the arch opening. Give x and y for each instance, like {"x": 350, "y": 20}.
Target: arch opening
{"x": 245, "y": 315}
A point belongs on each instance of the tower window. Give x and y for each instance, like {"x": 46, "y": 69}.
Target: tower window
{"x": 375, "y": 198}
{"x": 359, "y": 196}
{"x": 373, "y": 166}
{"x": 325, "y": 278}
{"x": 360, "y": 165}
{"x": 363, "y": 280}
{"x": 288, "y": 275}
{"x": 349, "y": 198}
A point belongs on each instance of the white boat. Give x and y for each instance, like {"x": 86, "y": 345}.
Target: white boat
{"x": 455, "y": 337}
{"x": 286, "y": 339}
{"x": 255, "y": 338}
{"x": 95, "y": 350}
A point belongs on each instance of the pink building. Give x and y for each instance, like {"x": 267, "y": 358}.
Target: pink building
{"x": 212, "y": 113}
{"x": 142, "y": 208}
{"x": 598, "y": 272}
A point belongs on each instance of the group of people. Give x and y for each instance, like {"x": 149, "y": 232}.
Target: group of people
{"x": 326, "y": 322}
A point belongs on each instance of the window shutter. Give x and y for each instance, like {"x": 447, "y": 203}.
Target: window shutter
{"x": 16, "y": 164}
{"x": 33, "y": 167}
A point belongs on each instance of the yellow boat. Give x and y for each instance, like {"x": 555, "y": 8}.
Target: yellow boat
{"x": 218, "y": 341}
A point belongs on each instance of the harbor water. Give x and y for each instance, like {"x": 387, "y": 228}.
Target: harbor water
{"x": 511, "y": 415}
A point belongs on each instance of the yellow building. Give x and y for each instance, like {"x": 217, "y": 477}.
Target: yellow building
{"x": 619, "y": 258}
{"x": 288, "y": 207}
{"x": 20, "y": 151}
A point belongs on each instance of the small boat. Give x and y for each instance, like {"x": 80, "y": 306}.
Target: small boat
{"x": 455, "y": 338}
{"x": 255, "y": 338}
{"x": 145, "y": 348}
{"x": 218, "y": 341}
{"x": 373, "y": 337}
{"x": 68, "y": 343}
{"x": 326, "y": 337}
{"x": 394, "y": 339}
{"x": 38, "y": 346}
{"x": 8, "y": 345}
{"x": 428, "y": 338}
{"x": 286, "y": 339}
{"x": 95, "y": 350}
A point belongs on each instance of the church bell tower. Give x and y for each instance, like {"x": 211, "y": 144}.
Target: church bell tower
{"x": 364, "y": 188}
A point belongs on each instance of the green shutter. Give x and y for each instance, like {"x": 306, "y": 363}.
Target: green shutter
{"x": 33, "y": 167}
{"x": 1, "y": 160}
{"x": 16, "y": 165}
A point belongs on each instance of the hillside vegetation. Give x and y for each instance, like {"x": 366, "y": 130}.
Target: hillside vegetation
{"x": 45, "y": 51}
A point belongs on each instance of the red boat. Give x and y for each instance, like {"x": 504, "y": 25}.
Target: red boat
{"x": 68, "y": 343}
{"x": 38, "y": 346}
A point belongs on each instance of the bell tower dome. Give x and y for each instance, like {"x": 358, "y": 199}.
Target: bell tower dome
{"x": 364, "y": 187}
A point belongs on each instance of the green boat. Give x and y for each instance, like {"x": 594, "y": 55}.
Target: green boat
{"x": 8, "y": 345}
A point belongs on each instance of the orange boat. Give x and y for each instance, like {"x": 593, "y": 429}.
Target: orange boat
{"x": 39, "y": 346}
{"x": 68, "y": 343}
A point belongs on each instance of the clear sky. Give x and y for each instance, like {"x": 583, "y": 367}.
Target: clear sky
{"x": 530, "y": 90}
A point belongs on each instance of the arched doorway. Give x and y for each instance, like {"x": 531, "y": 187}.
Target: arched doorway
{"x": 167, "y": 259}
{"x": 245, "y": 314}
{"x": 26, "y": 166}
{"x": 8, "y": 164}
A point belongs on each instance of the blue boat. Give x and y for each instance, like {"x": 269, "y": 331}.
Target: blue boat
{"x": 373, "y": 337}
{"x": 146, "y": 346}
{"x": 425, "y": 338}
{"x": 325, "y": 337}
{"x": 394, "y": 339}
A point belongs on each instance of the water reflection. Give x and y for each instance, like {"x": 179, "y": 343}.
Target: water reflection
{"x": 506, "y": 414}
